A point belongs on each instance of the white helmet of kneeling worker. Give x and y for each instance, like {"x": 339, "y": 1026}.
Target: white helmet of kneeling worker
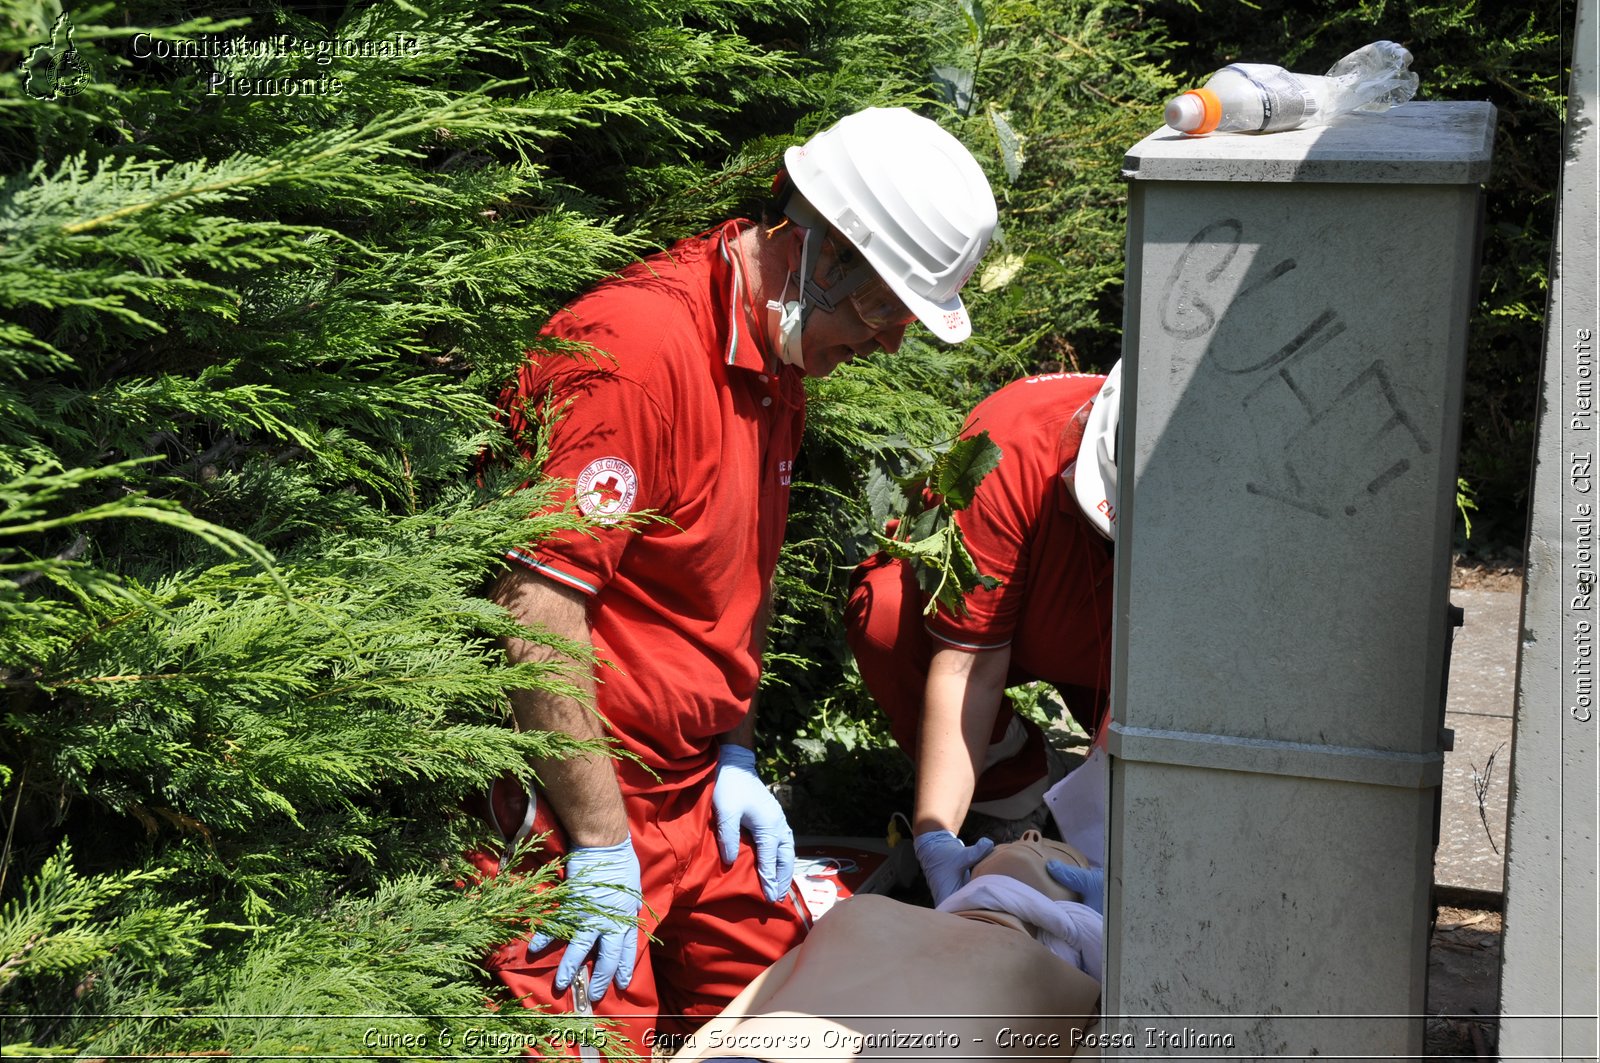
{"x": 911, "y": 199}
{"x": 1093, "y": 475}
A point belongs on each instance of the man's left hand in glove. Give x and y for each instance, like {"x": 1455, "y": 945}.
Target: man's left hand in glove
{"x": 740, "y": 800}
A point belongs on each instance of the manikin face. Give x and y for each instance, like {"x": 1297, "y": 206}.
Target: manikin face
{"x": 873, "y": 320}
{"x": 1024, "y": 860}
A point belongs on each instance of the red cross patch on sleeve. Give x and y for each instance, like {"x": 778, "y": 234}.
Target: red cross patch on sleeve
{"x": 606, "y": 489}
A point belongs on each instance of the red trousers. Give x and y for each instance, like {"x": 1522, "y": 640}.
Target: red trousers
{"x": 714, "y": 929}
{"x": 884, "y": 626}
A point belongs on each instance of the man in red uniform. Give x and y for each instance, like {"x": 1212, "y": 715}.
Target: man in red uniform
{"x": 691, "y": 409}
{"x": 1042, "y": 522}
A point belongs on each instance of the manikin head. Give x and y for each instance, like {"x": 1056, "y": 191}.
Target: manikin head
{"x": 1024, "y": 860}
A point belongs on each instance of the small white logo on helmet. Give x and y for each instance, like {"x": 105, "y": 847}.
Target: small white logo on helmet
{"x": 606, "y": 489}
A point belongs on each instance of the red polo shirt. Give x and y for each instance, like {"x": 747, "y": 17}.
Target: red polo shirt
{"x": 1025, "y": 527}
{"x": 678, "y": 413}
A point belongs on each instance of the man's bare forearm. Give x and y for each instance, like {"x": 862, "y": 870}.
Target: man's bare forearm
{"x": 960, "y": 701}
{"x": 582, "y": 790}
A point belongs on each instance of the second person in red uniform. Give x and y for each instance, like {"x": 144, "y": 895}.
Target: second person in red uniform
{"x": 1042, "y": 522}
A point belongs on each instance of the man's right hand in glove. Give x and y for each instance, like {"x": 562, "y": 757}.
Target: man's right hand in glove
{"x": 604, "y": 893}
{"x": 946, "y": 862}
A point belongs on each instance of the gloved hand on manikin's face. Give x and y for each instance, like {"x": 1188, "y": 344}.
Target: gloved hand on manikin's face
{"x": 1087, "y": 882}
{"x": 947, "y": 862}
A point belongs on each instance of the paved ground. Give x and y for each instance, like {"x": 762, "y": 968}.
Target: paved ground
{"x": 1464, "y": 960}
{"x": 1477, "y": 773}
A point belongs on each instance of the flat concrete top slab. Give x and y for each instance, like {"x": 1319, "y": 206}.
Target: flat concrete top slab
{"x": 1480, "y": 708}
{"x": 1416, "y": 143}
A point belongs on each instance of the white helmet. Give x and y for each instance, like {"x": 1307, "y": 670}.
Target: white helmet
{"x": 1093, "y": 475}
{"x": 912, "y": 200}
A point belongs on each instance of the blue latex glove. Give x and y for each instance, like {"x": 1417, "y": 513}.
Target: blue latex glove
{"x": 946, "y": 862}
{"x": 604, "y": 882}
{"x": 740, "y": 800}
{"x": 1087, "y": 882}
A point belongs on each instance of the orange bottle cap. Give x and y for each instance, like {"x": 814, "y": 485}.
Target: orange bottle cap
{"x": 1213, "y": 110}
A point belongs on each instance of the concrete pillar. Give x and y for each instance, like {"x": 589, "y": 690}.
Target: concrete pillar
{"x": 1548, "y": 985}
{"x": 1293, "y": 359}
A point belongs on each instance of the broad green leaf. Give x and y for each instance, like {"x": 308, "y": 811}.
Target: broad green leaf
{"x": 1011, "y": 154}
{"x": 886, "y": 494}
{"x": 999, "y": 271}
{"x": 927, "y": 524}
{"x": 977, "y": 18}
{"x": 966, "y": 570}
{"x": 955, "y": 85}
{"x": 959, "y": 470}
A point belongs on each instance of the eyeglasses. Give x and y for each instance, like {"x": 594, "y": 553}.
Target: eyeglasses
{"x": 876, "y": 303}
{"x": 879, "y": 307}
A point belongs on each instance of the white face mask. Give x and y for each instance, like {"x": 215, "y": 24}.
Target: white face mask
{"x": 786, "y": 317}
{"x": 783, "y": 325}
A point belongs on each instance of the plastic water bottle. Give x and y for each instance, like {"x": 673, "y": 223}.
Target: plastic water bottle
{"x": 1258, "y": 98}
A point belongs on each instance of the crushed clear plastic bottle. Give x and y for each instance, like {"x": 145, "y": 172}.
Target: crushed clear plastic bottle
{"x": 1260, "y": 98}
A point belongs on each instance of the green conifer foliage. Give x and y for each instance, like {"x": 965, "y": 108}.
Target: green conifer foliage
{"x": 1061, "y": 88}
{"x": 255, "y": 306}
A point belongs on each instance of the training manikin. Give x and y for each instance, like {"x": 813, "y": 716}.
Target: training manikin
{"x": 880, "y": 978}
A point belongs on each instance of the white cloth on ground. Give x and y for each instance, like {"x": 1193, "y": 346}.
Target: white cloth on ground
{"x": 1075, "y": 932}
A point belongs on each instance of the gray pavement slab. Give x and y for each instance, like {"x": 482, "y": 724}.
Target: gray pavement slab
{"x": 1480, "y": 706}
